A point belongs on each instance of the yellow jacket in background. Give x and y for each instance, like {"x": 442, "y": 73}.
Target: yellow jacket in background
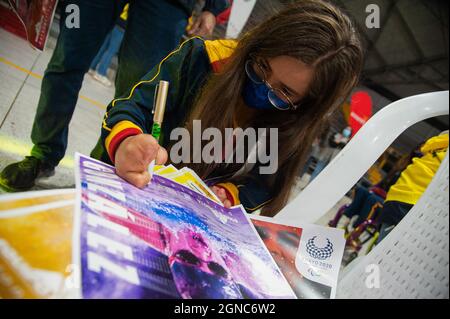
{"x": 415, "y": 179}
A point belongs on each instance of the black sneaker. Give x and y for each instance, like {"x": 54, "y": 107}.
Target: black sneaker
{"x": 21, "y": 176}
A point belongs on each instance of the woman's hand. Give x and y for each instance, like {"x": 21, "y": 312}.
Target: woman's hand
{"x": 222, "y": 195}
{"x": 134, "y": 155}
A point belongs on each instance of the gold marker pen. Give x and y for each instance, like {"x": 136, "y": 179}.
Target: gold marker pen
{"x": 158, "y": 114}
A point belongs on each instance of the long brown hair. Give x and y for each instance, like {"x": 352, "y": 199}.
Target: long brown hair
{"x": 320, "y": 35}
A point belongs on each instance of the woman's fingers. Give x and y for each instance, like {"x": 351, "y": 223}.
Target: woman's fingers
{"x": 218, "y": 191}
{"x": 221, "y": 194}
{"x": 227, "y": 203}
{"x": 148, "y": 148}
{"x": 139, "y": 180}
{"x": 161, "y": 156}
{"x": 135, "y": 154}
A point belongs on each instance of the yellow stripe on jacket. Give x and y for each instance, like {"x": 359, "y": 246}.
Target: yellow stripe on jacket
{"x": 124, "y": 14}
{"x": 219, "y": 51}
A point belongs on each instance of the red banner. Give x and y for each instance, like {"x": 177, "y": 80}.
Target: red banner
{"x": 360, "y": 110}
{"x": 29, "y": 19}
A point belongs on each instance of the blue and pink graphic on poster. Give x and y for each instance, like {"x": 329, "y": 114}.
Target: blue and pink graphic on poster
{"x": 165, "y": 241}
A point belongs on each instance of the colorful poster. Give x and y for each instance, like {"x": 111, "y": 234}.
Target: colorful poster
{"x": 310, "y": 267}
{"x": 9, "y": 202}
{"x": 36, "y": 245}
{"x": 28, "y": 19}
{"x": 165, "y": 241}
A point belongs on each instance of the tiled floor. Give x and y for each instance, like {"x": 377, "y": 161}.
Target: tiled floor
{"x": 21, "y": 71}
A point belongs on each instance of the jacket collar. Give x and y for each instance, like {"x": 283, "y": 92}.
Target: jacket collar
{"x": 219, "y": 51}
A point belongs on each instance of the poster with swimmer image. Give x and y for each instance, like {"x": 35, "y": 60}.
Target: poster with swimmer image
{"x": 165, "y": 241}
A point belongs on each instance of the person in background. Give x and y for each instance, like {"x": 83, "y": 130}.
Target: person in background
{"x": 329, "y": 148}
{"x": 341, "y": 139}
{"x": 154, "y": 28}
{"x": 394, "y": 173}
{"x": 200, "y": 24}
{"x": 315, "y": 150}
{"x": 100, "y": 65}
{"x": 412, "y": 183}
{"x": 363, "y": 201}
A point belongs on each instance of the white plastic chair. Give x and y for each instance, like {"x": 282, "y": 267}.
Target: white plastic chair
{"x": 240, "y": 13}
{"x": 413, "y": 260}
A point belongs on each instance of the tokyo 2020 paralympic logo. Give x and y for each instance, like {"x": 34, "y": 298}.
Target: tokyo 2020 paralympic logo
{"x": 320, "y": 253}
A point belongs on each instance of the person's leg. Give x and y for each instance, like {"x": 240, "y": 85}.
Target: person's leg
{"x": 75, "y": 49}
{"x": 154, "y": 29}
{"x": 385, "y": 229}
{"x": 112, "y": 49}
{"x": 100, "y": 53}
{"x": 358, "y": 201}
{"x": 366, "y": 208}
{"x": 64, "y": 75}
{"x": 393, "y": 212}
{"x": 359, "y": 197}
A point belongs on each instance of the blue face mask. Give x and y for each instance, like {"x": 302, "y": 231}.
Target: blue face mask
{"x": 256, "y": 95}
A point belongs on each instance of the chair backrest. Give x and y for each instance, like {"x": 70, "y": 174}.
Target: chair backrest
{"x": 413, "y": 260}
{"x": 360, "y": 154}
{"x": 240, "y": 13}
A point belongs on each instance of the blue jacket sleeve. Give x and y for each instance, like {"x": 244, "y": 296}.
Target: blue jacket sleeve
{"x": 185, "y": 69}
